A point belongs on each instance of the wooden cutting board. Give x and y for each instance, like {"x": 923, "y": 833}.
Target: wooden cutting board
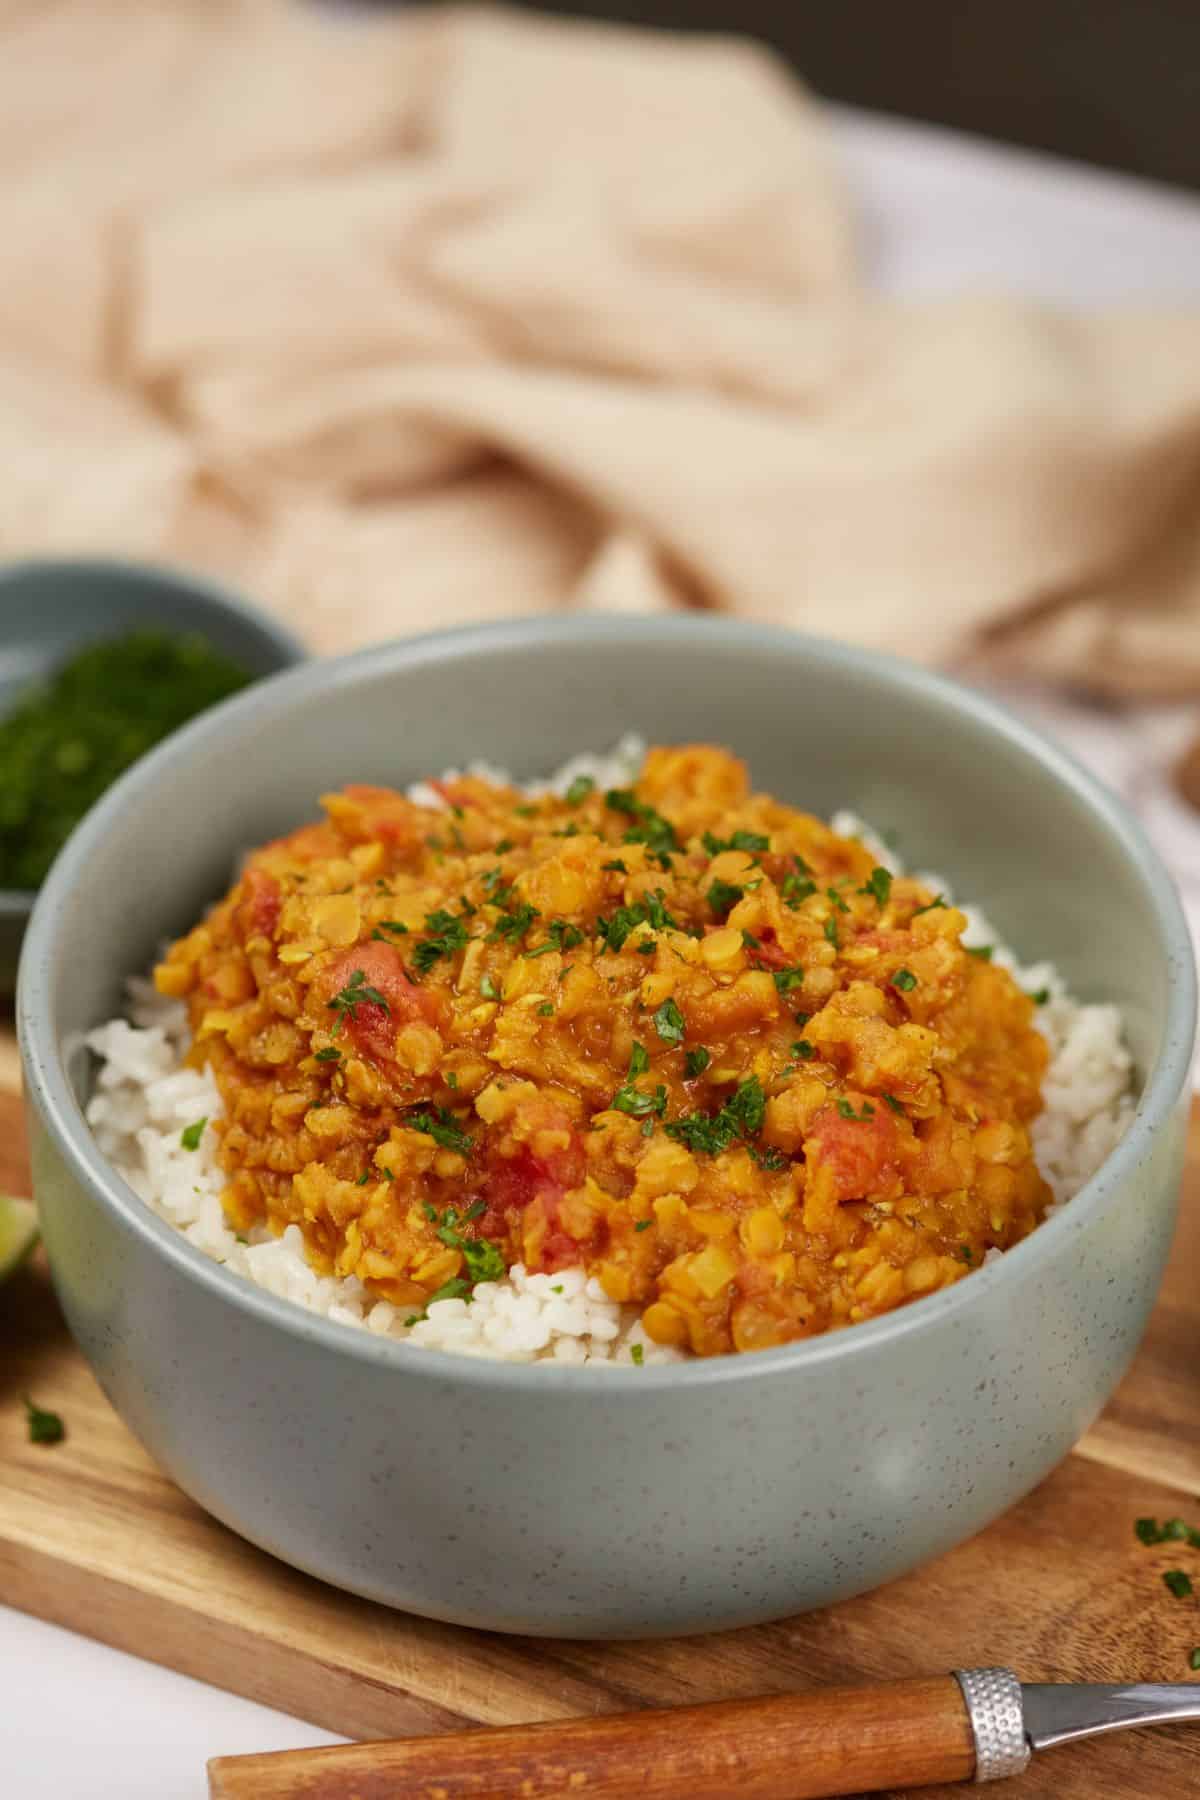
{"x": 93, "y": 1537}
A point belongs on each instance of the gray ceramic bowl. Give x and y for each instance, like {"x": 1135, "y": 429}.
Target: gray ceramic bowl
{"x": 586, "y": 1502}
{"x": 50, "y": 609}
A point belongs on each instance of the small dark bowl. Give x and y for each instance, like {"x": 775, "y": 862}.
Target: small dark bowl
{"x": 49, "y": 610}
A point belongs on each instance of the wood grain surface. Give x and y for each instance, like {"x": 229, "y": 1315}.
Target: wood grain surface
{"x": 92, "y": 1536}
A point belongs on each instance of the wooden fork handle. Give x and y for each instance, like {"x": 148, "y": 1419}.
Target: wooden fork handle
{"x": 790, "y": 1747}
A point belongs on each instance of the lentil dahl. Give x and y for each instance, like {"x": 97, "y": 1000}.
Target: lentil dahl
{"x": 680, "y": 1035}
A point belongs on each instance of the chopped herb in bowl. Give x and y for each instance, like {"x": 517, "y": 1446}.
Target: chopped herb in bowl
{"x": 70, "y": 736}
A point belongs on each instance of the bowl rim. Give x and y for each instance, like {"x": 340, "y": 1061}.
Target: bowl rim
{"x": 49, "y": 1089}
{"x": 16, "y": 903}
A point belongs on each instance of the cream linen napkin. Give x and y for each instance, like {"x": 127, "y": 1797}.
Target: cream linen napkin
{"x": 453, "y": 314}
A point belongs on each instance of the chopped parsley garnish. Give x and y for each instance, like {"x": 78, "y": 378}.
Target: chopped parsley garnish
{"x": 1041, "y": 997}
{"x": 750, "y": 941}
{"x": 831, "y": 931}
{"x": 546, "y": 1010}
{"x": 770, "y": 1158}
{"x": 795, "y": 889}
{"x": 450, "y": 936}
{"x": 878, "y": 884}
{"x": 649, "y": 827}
{"x": 929, "y": 906}
{"x": 454, "y": 1289}
{"x": 571, "y": 830}
{"x": 643, "y": 1224}
{"x": 617, "y": 865}
{"x": 493, "y": 879}
{"x": 356, "y": 993}
{"x": 503, "y": 845}
{"x": 964, "y": 1254}
{"x": 525, "y": 812}
{"x": 515, "y": 923}
{"x": 905, "y": 980}
{"x": 443, "y": 1128}
{"x": 363, "y": 1178}
{"x": 846, "y": 1109}
{"x": 696, "y": 1061}
{"x": 638, "y": 1355}
{"x": 329, "y": 1054}
{"x": 1178, "y": 1583}
{"x": 787, "y": 979}
{"x": 637, "y": 1105}
{"x": 836, "y": 899}
{"x": 645, "y": 948}
{"x": 723, "y": 896}
{"x": 749, "y": 841}
{"x": 894, "y": 1104}
{"x": 1194, "y": 1658}
{"x": 740, "y": 1117}
{"x": 804, "y": 1050}
{"x": 669, "y": 1023}
{"x": 984, "y": 952}
{"x": 639, "y": 1061}
{"x": 395, "y": 925}
{"x": 649, "y": 910}
{"x": 559, "y": 936}
{"x": 579, "y": 789}
{"x": 1146, "y": 1531}
{"x": 488, "y": 988}
{"x": 44, "y": 1427}
{"x": 1176, "y": 1531}
{"x": 191, "y": 1134}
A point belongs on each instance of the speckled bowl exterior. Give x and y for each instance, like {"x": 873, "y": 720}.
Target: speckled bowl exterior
{"x": 51, "y": 608}
{"x": 590, "y": 1501}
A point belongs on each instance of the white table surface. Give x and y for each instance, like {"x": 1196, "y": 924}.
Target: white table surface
{"x": 939, "y": 211}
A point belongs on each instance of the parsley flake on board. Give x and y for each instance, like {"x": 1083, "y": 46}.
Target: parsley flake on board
{"x": 191, "y": 1134}
{"x": 356, "y": 993}
{"x": 44, "y": 1427}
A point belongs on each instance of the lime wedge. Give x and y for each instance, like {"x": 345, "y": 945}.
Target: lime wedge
{"x": 18, "y": 1232}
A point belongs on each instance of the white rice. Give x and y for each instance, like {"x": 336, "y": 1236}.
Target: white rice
{"x": 145, "y": 1097}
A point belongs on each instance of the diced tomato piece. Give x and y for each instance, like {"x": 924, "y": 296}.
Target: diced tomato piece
{"x": 371, "y": 1027}
{"x": 258, "y": 912}
{"x": 858, "y": 1156}
{"x": 770, "y": 953}
{"x": 454, "y": 793}
{"x": 381, "y": 813}
{"x": 513, "y": 1184}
